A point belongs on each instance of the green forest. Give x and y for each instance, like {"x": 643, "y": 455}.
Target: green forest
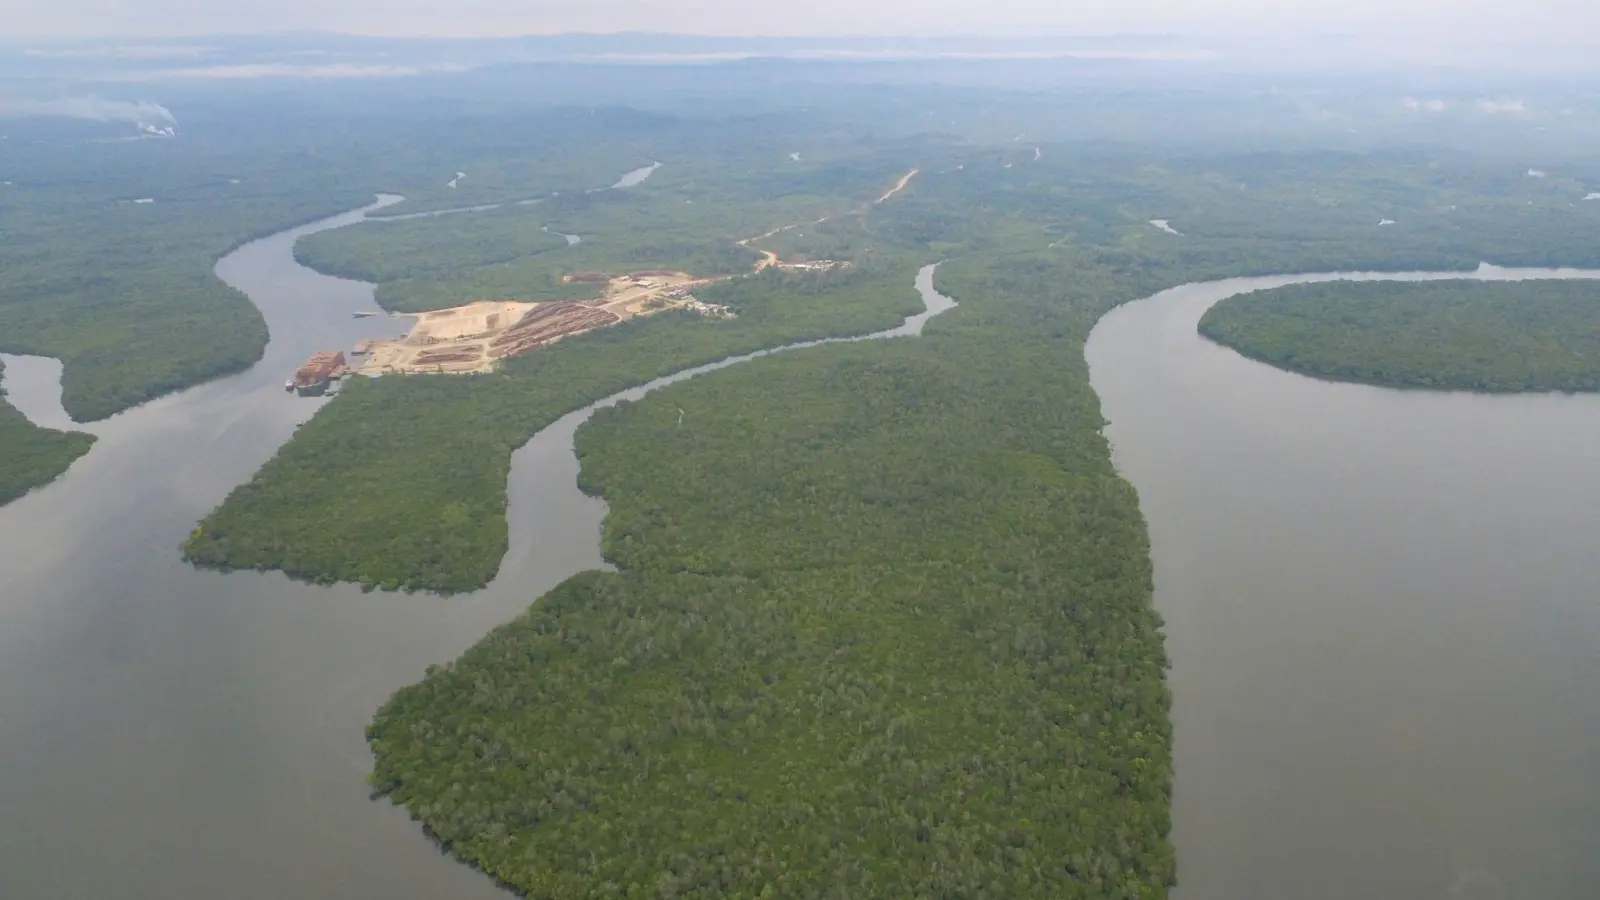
{"x": 688, "y": 216}
{"x": 122, "y": 292}
{"x": 33, "y": 456}
{"x": 882, "y": 627}
{"x": 1493, "y": 337}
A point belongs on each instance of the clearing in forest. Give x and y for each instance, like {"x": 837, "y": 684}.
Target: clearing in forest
{"x": 472, "y": 338}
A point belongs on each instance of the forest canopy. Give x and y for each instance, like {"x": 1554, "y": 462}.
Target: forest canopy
{"x": 1498, "y": 337}
{"x": 882, "y": 628}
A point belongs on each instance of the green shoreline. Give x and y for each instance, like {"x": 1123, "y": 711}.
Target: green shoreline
{"x": 34, "y": 456}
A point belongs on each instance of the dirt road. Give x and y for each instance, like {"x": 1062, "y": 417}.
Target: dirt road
{"x": 899, "y": 185}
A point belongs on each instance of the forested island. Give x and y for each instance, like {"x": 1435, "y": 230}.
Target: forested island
{"x": 33, "y": 456}
{"x": 1445, "y": 335}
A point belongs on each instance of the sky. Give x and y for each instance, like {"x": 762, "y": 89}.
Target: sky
{"x": 1555, "y": 20}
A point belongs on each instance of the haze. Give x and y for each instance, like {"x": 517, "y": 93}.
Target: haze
{"x": 1554, "y": 21}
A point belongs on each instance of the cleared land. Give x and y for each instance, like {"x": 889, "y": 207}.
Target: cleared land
{"x": 472, "y": 338}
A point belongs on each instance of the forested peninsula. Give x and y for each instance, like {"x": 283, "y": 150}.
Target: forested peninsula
{"x": 1495, "y": 337}
{"x": 882, "y": 627}
{"x": 33, "y": 456}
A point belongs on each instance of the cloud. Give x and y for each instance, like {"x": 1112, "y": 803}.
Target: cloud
{"x": 97, "y": 109}
{"x": 1415, "y": 105}
{"x": 1493, "y": 107}
{"x": 292, "y": 70}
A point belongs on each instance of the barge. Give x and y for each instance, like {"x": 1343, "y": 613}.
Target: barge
{"x": 313, "y": 378}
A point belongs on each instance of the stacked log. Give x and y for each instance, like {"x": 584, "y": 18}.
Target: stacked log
{"x": 448, "y": 356}
{"x": 547, "y": 322}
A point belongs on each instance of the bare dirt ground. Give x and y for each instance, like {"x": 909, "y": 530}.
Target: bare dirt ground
{"x": 899, "y": 185}
{"x": 472, "y": 338}
{"x": 770, "y": 259}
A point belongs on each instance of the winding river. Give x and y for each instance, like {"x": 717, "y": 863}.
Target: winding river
{"x": 1380, "y": 610}
{"x": 1383, "y": 618}
{"x": 167, "y": 732}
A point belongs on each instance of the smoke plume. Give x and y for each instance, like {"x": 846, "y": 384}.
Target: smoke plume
{"x": 144, "y": 114}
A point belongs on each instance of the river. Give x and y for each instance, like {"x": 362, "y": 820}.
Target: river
{"x": 173, "y": 733}
{"x": 1383, "y": 618}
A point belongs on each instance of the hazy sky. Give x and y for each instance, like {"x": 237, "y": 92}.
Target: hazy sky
{"x": 1557, "y": 19}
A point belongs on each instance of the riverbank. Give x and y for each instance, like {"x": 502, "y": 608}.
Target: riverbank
{"x": 39, "y": 438}
{"x": 450, "y": 440}
{"x": 239, "y": 701}
{"x": 1458, "y": 335}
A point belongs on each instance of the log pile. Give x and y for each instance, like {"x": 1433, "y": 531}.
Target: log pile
{"x": 547, "y": 322}
{"x": 449, "y": 356}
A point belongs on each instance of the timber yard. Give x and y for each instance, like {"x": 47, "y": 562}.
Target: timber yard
{"x": 476, "y": 336}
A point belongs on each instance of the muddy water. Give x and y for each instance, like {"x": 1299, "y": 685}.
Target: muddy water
{"x": 170, "y": 733}
{"x": 32, "y": 384}
{"x": 1383, "y": 616}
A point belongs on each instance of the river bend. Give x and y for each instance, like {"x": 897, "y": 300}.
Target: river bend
{"x": 1383, "y": 618}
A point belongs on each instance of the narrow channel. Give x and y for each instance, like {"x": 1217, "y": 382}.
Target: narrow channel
{"x": 1381, "y": 614}
{"x": 32, "y": 384}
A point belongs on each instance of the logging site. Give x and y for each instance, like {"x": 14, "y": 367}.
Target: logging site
{"x": 472, "y": 338}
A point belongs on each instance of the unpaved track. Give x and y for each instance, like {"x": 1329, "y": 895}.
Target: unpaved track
{"x": 770, "y": 259}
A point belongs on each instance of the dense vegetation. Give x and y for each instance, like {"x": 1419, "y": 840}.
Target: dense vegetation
{"x": 1464, "y": 335}
{"x": 882, "y": 628}
{"x": 33, "y": 456}
{"x": 689, "y": 216}
{"x": 449, "y": 440}
{"x": 122, "y": 291}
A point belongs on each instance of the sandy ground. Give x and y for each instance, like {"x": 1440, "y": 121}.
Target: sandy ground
{"x": 899, "y": 185}
{"x": 472, "y": 338}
